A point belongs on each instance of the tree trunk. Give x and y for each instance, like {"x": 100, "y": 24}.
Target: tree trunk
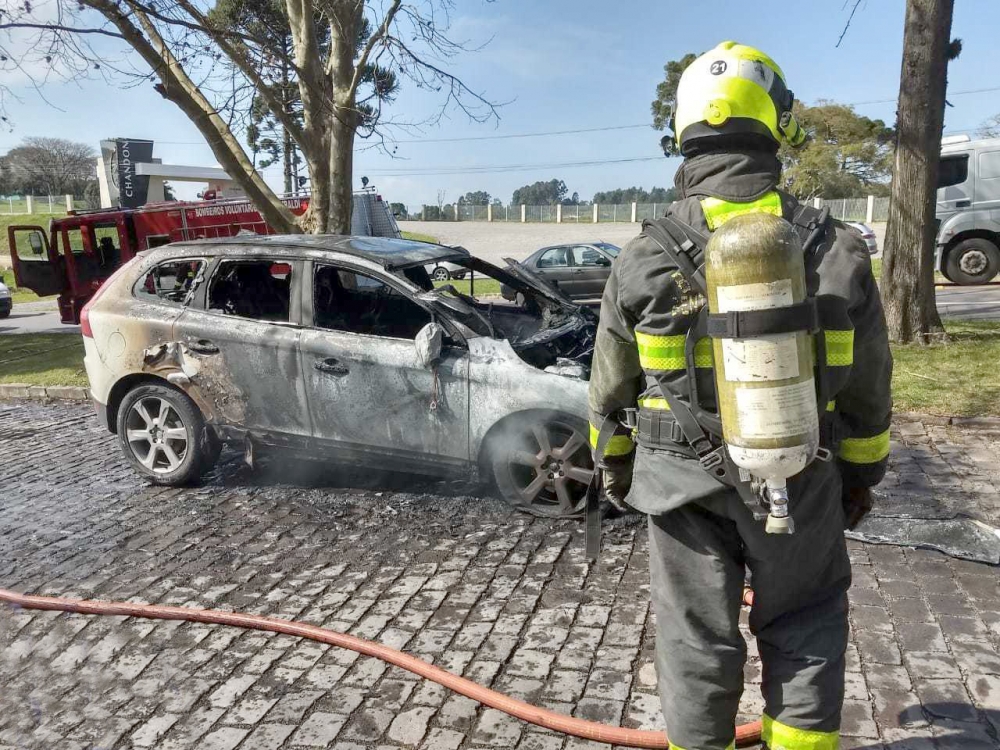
{"x": 341, "y": 170}
{"x": 287, "y": 151}
{"x": 908, "y": 261}
{"x": 286, "y": 146}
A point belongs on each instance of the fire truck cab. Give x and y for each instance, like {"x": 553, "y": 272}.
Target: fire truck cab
{"x": 81, "y": 251}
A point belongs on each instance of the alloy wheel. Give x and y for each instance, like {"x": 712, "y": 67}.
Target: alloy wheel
{"x": 552, "y": 469}
{"x": 156, "y": 435}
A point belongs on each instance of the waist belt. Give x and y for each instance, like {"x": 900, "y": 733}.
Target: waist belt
{"x": 657, "y": 429}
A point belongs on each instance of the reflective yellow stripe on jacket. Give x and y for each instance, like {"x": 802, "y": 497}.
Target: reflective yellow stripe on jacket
{"x": 780, "y": 736}
{"x": 839, "y": 348}
{"x": 867, "y": 450}
{"x": 667, "y": 352}
{"x": 718, "y": 212}
{"x": 619, "y": 445}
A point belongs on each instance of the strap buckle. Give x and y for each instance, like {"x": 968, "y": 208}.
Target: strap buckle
{"x": 710, "y": 459}
{"x": 629, "y": 418}
{"x": 824, "y": 454}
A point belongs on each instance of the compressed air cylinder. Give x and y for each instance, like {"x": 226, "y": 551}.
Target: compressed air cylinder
{"x": 765, "y": 390}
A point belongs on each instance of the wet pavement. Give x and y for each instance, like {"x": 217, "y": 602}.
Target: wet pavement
{"x": 443, "y": 571}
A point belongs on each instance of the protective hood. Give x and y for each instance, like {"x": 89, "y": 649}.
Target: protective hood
{"x": 732, "y": 176}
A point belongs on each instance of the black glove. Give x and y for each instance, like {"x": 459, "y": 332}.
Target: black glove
{"x": 857, "y": 502}
{"x": 617, "y": 483}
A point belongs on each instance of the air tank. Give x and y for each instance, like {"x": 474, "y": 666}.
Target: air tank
{"x": 764, "y": 385}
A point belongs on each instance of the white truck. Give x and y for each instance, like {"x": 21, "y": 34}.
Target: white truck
{"x": 968, "y": 210}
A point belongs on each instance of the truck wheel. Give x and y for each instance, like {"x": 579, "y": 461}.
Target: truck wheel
{"x": 163, "y": 435}
{"x": 972, "y": 261}
{"x": 542, "y": 464}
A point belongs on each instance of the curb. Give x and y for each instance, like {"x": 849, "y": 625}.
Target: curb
{"x": 26, "y": 392}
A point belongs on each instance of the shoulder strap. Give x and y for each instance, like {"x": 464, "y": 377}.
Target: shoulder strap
{"x": 810, "y": 224}
{"x": 683, "y": 244}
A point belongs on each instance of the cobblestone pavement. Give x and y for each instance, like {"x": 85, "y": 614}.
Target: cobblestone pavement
{"x": 433, "y": 568}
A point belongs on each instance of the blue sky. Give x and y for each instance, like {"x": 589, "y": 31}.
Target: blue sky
{"x": 562, "y": 65}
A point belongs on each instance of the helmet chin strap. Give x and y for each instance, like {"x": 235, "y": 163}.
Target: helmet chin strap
{"x": 794, "y": 135}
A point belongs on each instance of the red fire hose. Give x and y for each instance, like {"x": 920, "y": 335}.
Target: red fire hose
{"x": 746, "y": 734}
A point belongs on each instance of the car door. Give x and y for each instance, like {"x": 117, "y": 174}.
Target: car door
{"x": 36, "y": 266}
{"x": 370, "y": 397}
{"x": 956, "y": 184}
{"x": 591, "y": 268}
{"x": 554, "y": 264}
{"x": 988, "y": 188}
{"x": 241, "y": 337}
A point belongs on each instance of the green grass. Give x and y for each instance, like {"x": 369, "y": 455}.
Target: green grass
{"x": 956, "y": 378}
{"x": 484, "y": 287}
{"x": 42, "y": 359}
{"x": 417, "y": 237}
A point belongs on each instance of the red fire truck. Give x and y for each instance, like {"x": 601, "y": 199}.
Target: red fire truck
{"x": 81, "y": 250}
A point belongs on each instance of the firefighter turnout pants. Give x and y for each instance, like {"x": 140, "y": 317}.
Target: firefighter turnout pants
{"x": 698, "y": 554}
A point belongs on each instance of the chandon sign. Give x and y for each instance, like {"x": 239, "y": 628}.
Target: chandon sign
{"x": 132, "y": 188}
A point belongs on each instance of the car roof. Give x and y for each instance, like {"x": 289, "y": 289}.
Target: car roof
{"x": 388, "y": 252}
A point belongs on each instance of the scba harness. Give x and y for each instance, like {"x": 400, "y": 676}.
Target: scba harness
{"x": 681, "y": 421}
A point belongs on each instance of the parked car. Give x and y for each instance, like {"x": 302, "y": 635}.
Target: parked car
{"x": 579, "y": 270}
{"x": 443, "y": 271}
{"x": 867, "y": 234}
{"x": 6, "y": 302}
{"x": 341, "y": 347}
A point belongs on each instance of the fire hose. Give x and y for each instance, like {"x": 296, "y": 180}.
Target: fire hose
{"x": 746, "y": 734}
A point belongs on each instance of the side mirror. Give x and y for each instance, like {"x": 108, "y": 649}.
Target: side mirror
{"x": 428, "y": 344}
{"x": 37, "y": 245}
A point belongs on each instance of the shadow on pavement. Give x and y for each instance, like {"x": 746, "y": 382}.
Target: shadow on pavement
{"x": 955, "y": 725}
{"x": 282, "y": 468}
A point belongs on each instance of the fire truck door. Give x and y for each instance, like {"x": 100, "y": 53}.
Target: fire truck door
{"x": 35, "y": 268}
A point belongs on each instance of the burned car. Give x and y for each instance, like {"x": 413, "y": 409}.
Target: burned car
{"x": 342, "y": 348}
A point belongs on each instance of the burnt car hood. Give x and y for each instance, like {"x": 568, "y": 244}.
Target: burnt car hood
{"x": 536, "y": 282}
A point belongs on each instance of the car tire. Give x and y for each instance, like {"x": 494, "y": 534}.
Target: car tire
{"x": 163, "y": 435}
{"x": 5, "y": 314}
{"x": 972, "y": 261}
{"x": 542, "y": 463}
{"x": 440, "y": 274}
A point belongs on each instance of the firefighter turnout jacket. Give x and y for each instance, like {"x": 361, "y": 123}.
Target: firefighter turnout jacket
{"x": 649, "y": 305}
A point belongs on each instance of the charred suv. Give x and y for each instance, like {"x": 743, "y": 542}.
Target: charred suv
{"x": 342, "y": 347}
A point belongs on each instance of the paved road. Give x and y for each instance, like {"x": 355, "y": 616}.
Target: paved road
{"x": 35, "y": 317}
{"x": 969, "y": 302}
{"x": 437, "y": 569}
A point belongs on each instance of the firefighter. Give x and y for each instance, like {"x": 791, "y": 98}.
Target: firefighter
{"x": 733, "y": 112}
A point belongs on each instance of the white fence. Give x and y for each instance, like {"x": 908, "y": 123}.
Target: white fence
{"x": 868, "y": 209}
{"x": 12, "y": 205}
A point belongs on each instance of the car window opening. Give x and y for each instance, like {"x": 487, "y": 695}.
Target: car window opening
{"x": 356, "y": 303}
{"x": 540, "y": 330}
{"x": 169, "y": 282}
{"x": 259, "y": 290}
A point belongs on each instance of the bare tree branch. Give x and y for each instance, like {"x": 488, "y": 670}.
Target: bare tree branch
{"x": 379, "y": 36}
{"x": 57, "y": 27}
{"x": 848, "y": 24}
